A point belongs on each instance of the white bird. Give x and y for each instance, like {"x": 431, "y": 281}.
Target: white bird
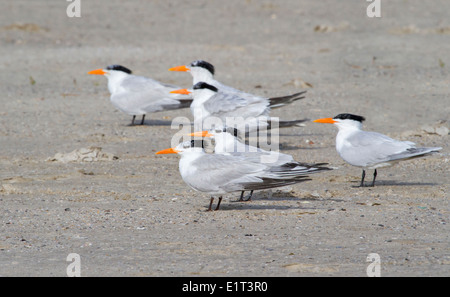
{"x": 213, "y": 107}
{"x": 226, "y": 142}
{"x": 219, "y": 174}
{"x": 203, "y": 71}
{"x": 370, "y": 150}
{"x": 138, "y": 95}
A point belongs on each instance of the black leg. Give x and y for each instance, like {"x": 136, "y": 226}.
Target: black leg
{"x": 210, "y": 204}
{"x": 242, "y": 196}
{"x": 143, "y": 117}
{"x": 250, "y": 197}
{"x": 362, "y": 178}
{"x": 374, "y": 177}
{"x": 132, "y": 121}
{"x": 218, "y": 204}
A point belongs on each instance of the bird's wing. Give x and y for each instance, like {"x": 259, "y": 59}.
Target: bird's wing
{"x": 413, "y": 152}
{"x": 141, "y": 94}
{"x": 372, "y": 148}
{"x": 228, "y": 173}
{"x": 230, "y": 90}
{"x": 265, "y": 157}
{"x": 215, "y": 173}
{"x": 230, "y": 105}
{"x": 134, "y": 83}
{"x": 279, "y": 165}
{"x": 277, "y": 102}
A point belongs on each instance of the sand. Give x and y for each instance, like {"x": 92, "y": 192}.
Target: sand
{"x": 127, "y": 212}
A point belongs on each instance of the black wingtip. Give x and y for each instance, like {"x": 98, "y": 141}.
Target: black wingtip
{"x": 276, "y": 102}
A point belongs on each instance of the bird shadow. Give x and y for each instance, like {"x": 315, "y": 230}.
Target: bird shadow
{"x": 299, "y": 134}
{"x": 393, "y": 183}
{"x": 253, "y": 204}
{"x": 268, "y": 134}
{"x": 299, "y": 199}
{"x": 249, "y": 206}
{"x": 152, "y": 123}
{"x": 284, "y": 147}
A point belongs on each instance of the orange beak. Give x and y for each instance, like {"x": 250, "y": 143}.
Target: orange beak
{"x": 180, "y": 68}
{"x": 181, "y": 91}
{"x": 168, "y": 151}
{"x": 325, "y": 121}
{"x": 201, "y": 134}
{"x": 97, "y": 71}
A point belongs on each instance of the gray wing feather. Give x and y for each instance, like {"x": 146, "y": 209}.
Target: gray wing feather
{"x": 413, "y": 153}
{"x": 227, "y": 173}
{"x": 219, "y": 172}
{"x": 142, "y": 95}
{"x": 230, "y": 105}
{"x": 371, "y": 148}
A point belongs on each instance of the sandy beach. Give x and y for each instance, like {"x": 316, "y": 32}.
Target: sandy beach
{"x": 126, "y": 211}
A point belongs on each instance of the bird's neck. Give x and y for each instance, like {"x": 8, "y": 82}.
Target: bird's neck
{"x": 203, "y": 76}
{"x": 344, "y": 133}
{"x": 187, "y": 160}
{"x": 228, "y": 144}
{"x": 197, "y": 106}
{"x": 115, "y": 81}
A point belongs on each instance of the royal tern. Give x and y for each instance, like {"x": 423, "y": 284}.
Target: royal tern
{"x": 219, "y": 174}
{"x": 210, "y": 104}
{"x": 138, "y": 95}
{"x": 226, "y": 142}
{"x": 203, "y": 71}
{"x": 370, "y": 150}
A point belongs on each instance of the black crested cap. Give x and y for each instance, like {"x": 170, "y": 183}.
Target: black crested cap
{"x": 203, "y": 64}
{"x": 203, "y": 85}
{"x": 232, "y": 131}
{"x": 197, "y": 143}
{"x": 118, "y": 68}
{"x": 349, "y": 116}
